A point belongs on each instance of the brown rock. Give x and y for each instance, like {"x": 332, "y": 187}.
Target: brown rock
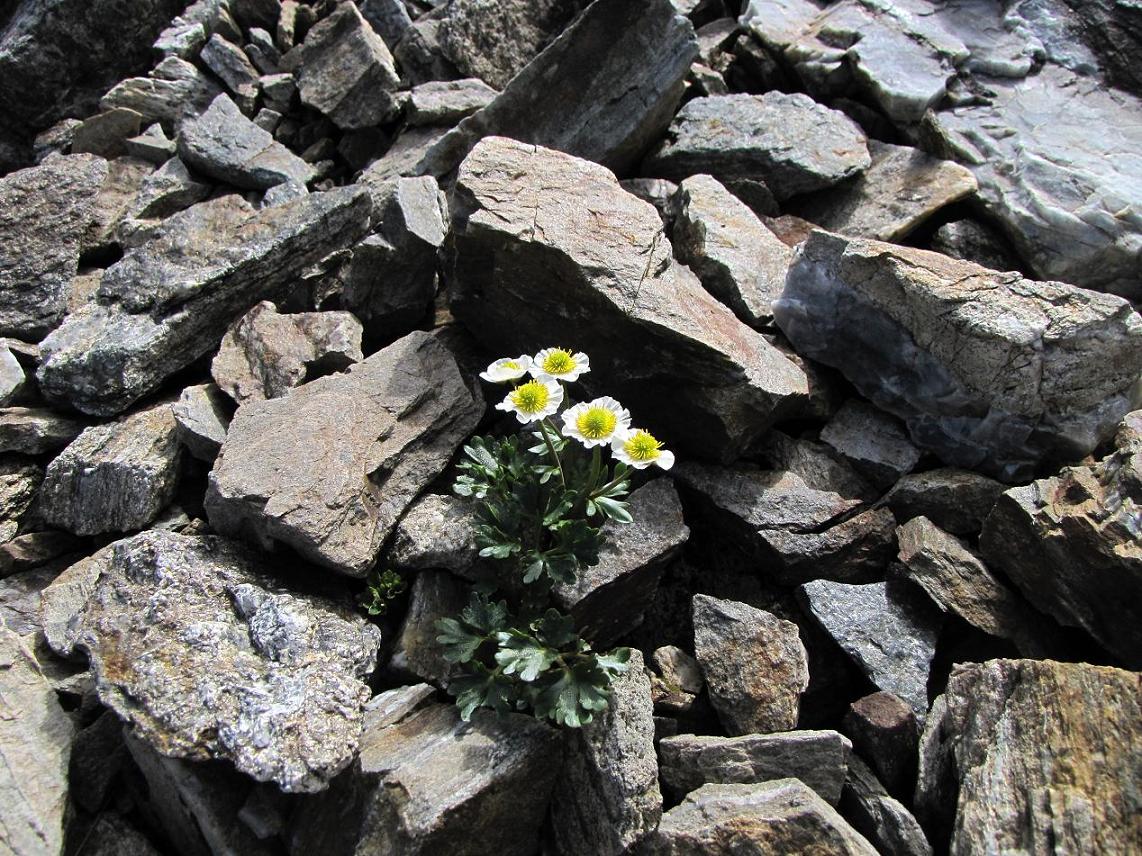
{"x": 884, "y": 732}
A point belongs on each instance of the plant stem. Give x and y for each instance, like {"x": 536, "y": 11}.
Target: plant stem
{"x": 616, "y": 480}
{"x": 551, "y": 448}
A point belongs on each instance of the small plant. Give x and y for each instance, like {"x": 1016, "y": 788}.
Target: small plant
{"x": 542, "y": 499}
{"x": 381, "y": 587}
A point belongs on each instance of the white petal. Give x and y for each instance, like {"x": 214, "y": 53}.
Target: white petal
{"x": 665, "y": 459}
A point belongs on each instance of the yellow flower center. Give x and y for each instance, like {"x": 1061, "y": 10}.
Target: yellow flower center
{"x": 642, "y": 446}
{"x": 511, "y": 364}
{"x": 595, "y": 423}
{"x": 558, "y": 362}
{"x": 531, "y": 397}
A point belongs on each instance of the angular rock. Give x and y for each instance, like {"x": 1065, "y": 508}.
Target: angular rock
{"x": 446, "y": 102}
{"x": 678, "y": 669}
{"x": 738, "y": 259}
{"x": 789, "y": 142}
{"x": 818, "y": 758}
{"x": 114, "y": 203}
{"x": 188, "y": 32}
{"x": 391, "y": 706}
{"x": 884, "y": 821}
{"x": 754, "y": 664}
{"x": 203, "y": 415}
{"x": 433, "y": 784}
{"x": 219, "y": 661}
{"x": 35, "y": 742}
{"x": 606, "y": 797}
{"x": 173, "y": 92}
{"x": 13, "y": 381}
{"x": 19, "y": 481}
{"x": 781, "y": 816}
{"x": 105, "y": 134}
{"x": 416, "y": 653}
{"x": 972, "y": 241}
{"x": 44, "y": 213}
{"x": 957, "y": 501}
{"x": 1069, "y": 357}
{"x": 885, "y": 733}
{"x": 36, "y": 549}
{"x": 657, "y": 191}
{"x": 345, "y": 71}
{"x": 111, "y": 835}
{"x": 437, "y": 531}
{"x": 419, "y": 54}
{"x": 410, "y": 410}
{"x": 1069, "y": 541}
{"x": 887, "y": 629}
{"x": 608, "y": 280}
{"x": 872, "y": 441}
{"x": 1033, "y": 754}
{"x": 166, "y": 191}
{"x": 390, "y": 19}
{"x": 161, "y": 307}
{"x": 233, "y": 68}
{"x": 225, "y": 145}
{"x": 35, "y": 430}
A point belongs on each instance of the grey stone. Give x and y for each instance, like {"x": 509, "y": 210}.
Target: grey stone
{"x": 161, "y": 307}
{"x": 780, "y": 816}
{"x": 885, "y": 732}
{"x": 972, "y": 241}
{"x": 420, "y": 55}
{"x": 219, "y": 661}
{"x": 225, "y": 145}
{"x": 657, "y": 191}
{"x": 391, "y": 706}
{"x": 529, "y": 265}
{"x": 409, "y": 155}
{"x": 20, "y": 601}
{"x": 957, "y": 501}
{"x": 678, "y": 669}
{"x": 1111, "y": 30}
{"x": 45, "y": 211}
{"x": 188, "y": 31}
{"x": 416, "y": 653}
{"x": 872, "y": 441}
{"x": 446, "y": 102}
{"x": 816, "y": 464}
{"x": 1070, "y": 358}
{"x": 203, "y": 415}
{"x": 390, "y": 19}
{"x": 13, "y": 381}
{"x": 1022, "y": 754}
{"x": 174, "y": 91}
{"x": 884, "y": 821}
{"x": 1072, "y": 544}
{"x": 152, "y": 145}
{"x": 754, "y": 664}
{"x": 263, "y": 52}
{"x": 105, "y": 134}
{"x": 113, "y": 205}
{"x": 97, "y": 757}
{"x": 738, "y": 259}
{"x": 606, "y": 797}
{"x": 887, "y": 629}
{"x": 34, "y": 430}
{"x": 233, "y": 68}
{"x": 112, "y": 835}
{"x": 19, "y": 481}
{"x": 166, "y": 191}
{"x": 56, "y": 140}
{"x": 36, "y": 549}
{"x": 789, "y": 142}
{"x": 437, "y": 531}
{"x": 345, "y": 71}
{"x": 411, "y": 409}
{"x": 434, "y": 784}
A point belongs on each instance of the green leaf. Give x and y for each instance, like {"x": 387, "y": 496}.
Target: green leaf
{"x": 555, "y": 629}
{"x": 485, "y": 615}
{"x": 535, "y": 570}
{"x": 482, "y": 689}
{"x": 521, "y": 655}
{"x": 477, "y": 450}
{"x": 614, "y": 662}
{"x": 615, "y": 509}
{"x": 460, "y": 644}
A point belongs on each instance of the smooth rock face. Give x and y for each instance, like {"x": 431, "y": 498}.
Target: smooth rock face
{"x": 789, "y": 142}
{"x": 445, "y": 102}
{"x": 1034, "y": 756}
{"x": 432, "y": 784}
{"x": 872, "y": 441}
{"x": 738, "y": 259}
{"x": 888, "y": 630}
{"x": 881, "y": 819}
{"x": 924, "y": 337}
{"x": 782, "y": 816}
{"x": 162, "y": 305}
{"x": 115, "y": 477}
{"x": 44, "y": 213}
{"x": 818, "y": 758}
{"x": 35, "y": 742}
{"x": 376, "y": 436}
{"x": 547, "y": 245}
{"x": 205, "y": 656}
{"x": 606, "y": 798}
{"x": 203, "y": 415}
{"x": 1072, "y": 544}
{"x": 754, "y": 663}
{"x": 955, "y": 500}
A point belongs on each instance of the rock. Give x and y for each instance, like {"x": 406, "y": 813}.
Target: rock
{"x": 19, "y": 481}
{"x": 122, "y": 186}
{"x": 739, "y": 261}
{"x": 166, "y": 191}
{"x": 789, "y": 142}
{"x": 604, "y": 91}
{"x": 391, "y": 706}
{"x": 35, "y": 549}
{"x": 433, "y": 784}
{"x": 1068, "y": 540}
{"x": 233, "y": 68}
{"x": 901, "y": 190}
{"x": 888, "y": 630}
{"x": 972, "y": 241}
{"x": 410, "y": 410}
{"x": 44, "y": 213}
{"x": 818, "y": 758}
{"x": 203, "y": 415}
{"x": 416, "y": 653}
{"x": 885, "y": 733}
{"x": 173, "y": 92}
{"x": 872, "y": 441}
{"x": 678, "y": 669}
{"x": 754, "y": 664}
{"x": 816, "y": 464}
{"x": 419, "y": 55}
{"x": 225, "y": 145}
{"x": 161, "y": 307}
{"x": 1110, "y": 29}
{"x": 781, "y": 816}
{"x": 887, "y": 824}
{"x": 35, "y": 740}
{"x": 13, "y": 381}
{"x": 111, "y": 835}
{"x": 1026, "y": 751}
{"x": 219, "y": 661}
{"x": 409, "y": 155}
{"x": 1069, "y": 357}
{"x": 35, "y": 430}
{"x": 20, "y": 602}
{"x": 188, "y": 32}
{"x": 105, "y": 134}
{"x": 97, "y": 757}
{"x": 390, "y": 19}
{"x": 517, "y": 219}
{"x": 955, "y": 500}
{"x": 446, "y": 102}
{"x": 657, "y": 191}
{"x": 606, "y": 797}
{"x": 437, "y": 531}
{"x": 345, "y": 71}
{"x": 609, "y": 599}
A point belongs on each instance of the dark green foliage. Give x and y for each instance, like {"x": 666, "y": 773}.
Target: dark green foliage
{"x": 380, "y": 589}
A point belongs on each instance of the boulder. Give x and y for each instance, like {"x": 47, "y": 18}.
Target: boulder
{"x": 166, "y": 191}
{"x": 872, "y": 441}
{"x": 957, "y": 501}
{"x": 884, "y": 732}
{"x": 205, "y": 655}
{"x": 13, "y": 380}
{"x": 231, "y": 65}
{"x": 35, "y": 430}
{"x": 105, "y": 134}
{"x": 678, "y": 669}
{"x": 377, "y": 436}
{"x": 884, "y": 821}
{"x": 924, "y": 336}
{"x": 973, "y": 241}
{"x": 437, "y": 531}
{"x": 446, "y": 102}
{"x": 416, "y": 654}
{"x": 203, "y": 415}
{"x": 529, "y": 265}
{"x": 19, "y": 481}
{"x": 172, "y": 93}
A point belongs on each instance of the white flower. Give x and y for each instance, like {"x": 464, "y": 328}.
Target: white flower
{"x": 537, "y": 399}
{"x": 597, "y": 422}
{"x": 507, "y": 369}
{"x": 559, "y": 364}
{"x": 639, "y": 449}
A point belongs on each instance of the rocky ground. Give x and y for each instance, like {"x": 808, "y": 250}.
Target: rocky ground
{"x": 869, "y": 267}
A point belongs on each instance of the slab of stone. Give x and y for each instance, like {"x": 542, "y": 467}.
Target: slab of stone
{"x": 391, "y": 706}
{"x": 203, "y": 414}
{"x": 884, "y": 731}
{"x": 410, "y": 409}
{"x": 874, "y": 443}
{"x": 884, "y": 821}
{"x": 972, "y": 241}
{"x": 957, "y": 501}
{"x": 35, "y": 430}
{"x": 105, "y": 134}
{"x": 36, "y": 549}
{"x": 415, "y": 653}
{"x": 446, "y": 102}
{"x": 233, "y": 67}
{"x": 166, "y": 191}
{"x": 391, "y": 19}
{"x": 173, "y": 92}
{"x": 437, "y": 531}
{"x": 924, "y": 336}
{"x": 196, "y": 646}
{"x": 678, "y": 669}
{"x": 113, "y": 204}
{"x": 19, "y": 481}
{"x": 152, "y": 145}
{"x": 13, "y": 381}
